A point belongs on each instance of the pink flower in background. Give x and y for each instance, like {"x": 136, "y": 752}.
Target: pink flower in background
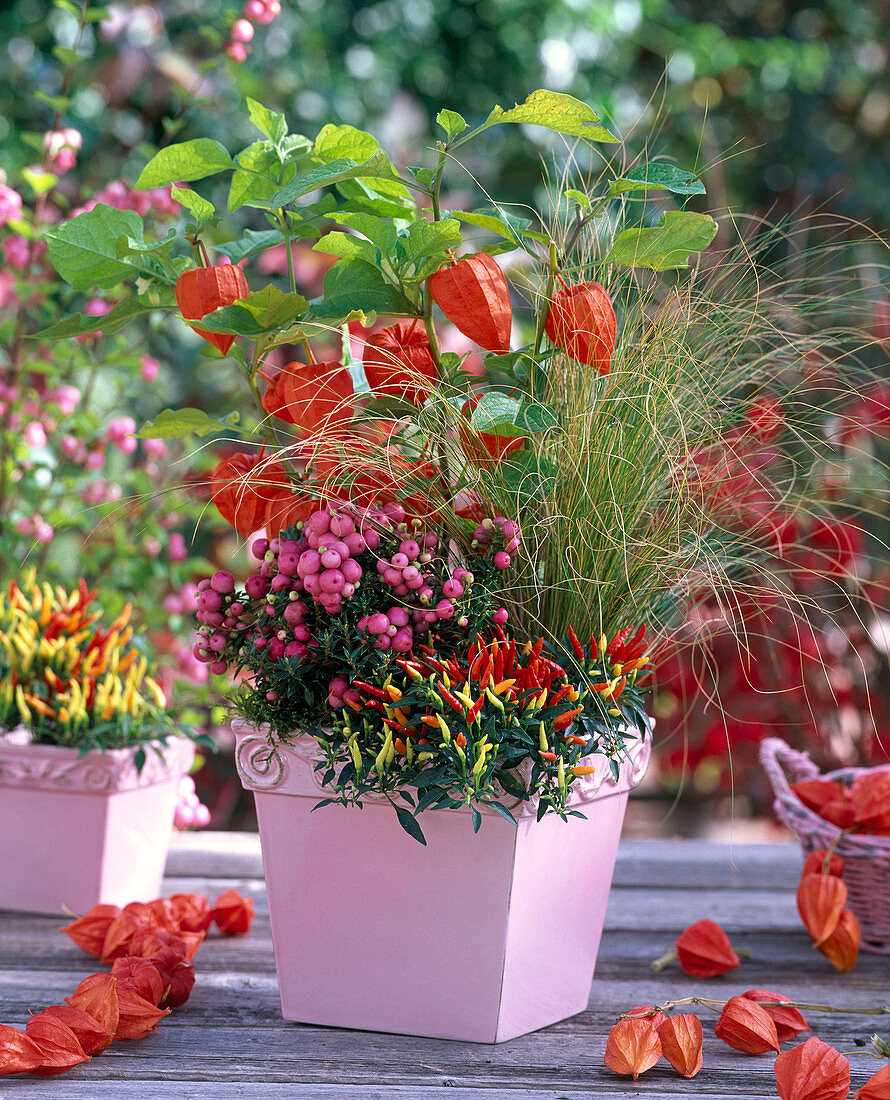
{"x": 35, "y": 527}
{"x": 176, "y": 548}
{"x": 155, "y": 448}
{"x": 67, "y": 398}
{"x": 95, "y": 460}
{"x": 10, "y": 205}
{"x": 152, "y": 546}
{"x": 61, "y": 147}
{"x": 120, "y": 433}
{"x": 34, "y": 434}
{"x": 95, "y": 307}
{"x": 15, "y": 248}
{"x": 7, "y": 289}
{"x": 149, "y": 369}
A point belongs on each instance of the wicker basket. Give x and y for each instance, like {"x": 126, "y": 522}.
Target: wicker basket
{"x": 866, "y": 858}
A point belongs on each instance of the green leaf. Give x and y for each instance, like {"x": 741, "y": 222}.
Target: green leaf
{"x": 452, "y": 123}
{"x": 555, "y": 110}
{"x": 379, "y": 231}
{"x": 410, "y": 824}
{"x": 353, "y": 284}
{"x": 252, "y": 241}
{"x": 267, "y": 122}
{"x": 495, "y": 221}
{"x": 343, "y": 168}
{"x": 200, "y": 208}
{"x": 503, "y": 415}
{"x": 424, "y": 176}
{"x": 65, "y": 56}
{"x": 503, "y": 812}
{"x": 660, "y": 177}
{"x": 382, "y": 198}
{"x": 678, "y": 235}
{"x": 181, "y": 423}
{"x": 84, "y": 250}
{"x": 335, "y": 141}
{"x": 120, "y": 316}
{"x": 55, "y": 102}
{"x": 477, "y": 820}
{"x": 40, "y": 182}
{"x": 577, "y": 196}
{"x": 255, "y": 175}
{"x": 67, "y": 5}
{"x": 97, "y": 15}
{"x": 425, "y": 239}
{"x": 347, "y": 244}
{"x": 188, "y": 160}
{"x": 260, "y": 312}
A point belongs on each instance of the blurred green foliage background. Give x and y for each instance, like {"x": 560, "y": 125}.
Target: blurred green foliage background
{"x": 788, "y": 103}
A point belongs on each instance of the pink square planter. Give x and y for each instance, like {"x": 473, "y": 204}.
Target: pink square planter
{"x": 479, "y": 937}
{"x": 79, "y": 830}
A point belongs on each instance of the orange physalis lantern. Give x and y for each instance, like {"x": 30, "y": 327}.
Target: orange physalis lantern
{"x": 815, "y": 864}
{"x": 812, "y": 1071}
{"x": 789, "y": 1021}
{"x": 252, "y": 491}
{"x": 58, "y": 1044}
{"x": 137, "y": 1015}
{"x": 820, "y": 902}
{"x": 232, "y": 912}
{"x": 177, "y": 976}
{"x": 877, "y": 1087}
{"x": 191, "y": 911}
{"x": 313, "y": 397}
{"x": 704, "y": 950}
{"x": 91, "y": 1035}
{"x": 18, "y": 1053}
{"x": 89, "y": 931}
{"x": 201, "y": 290}
{"x": 140, "y": 975}
{"x": 870, "y": 797}
{"x": 681, "y": 1043}
{"x": 747, "y": 1027}
{"x": 474, "y": 296}
{"x": 842, "y": 946}
{"x": 398, "y": 362}
{"x": 97, "y": 996}
{"x": 633, "y": 1047}
{"x": 581, "y": 321}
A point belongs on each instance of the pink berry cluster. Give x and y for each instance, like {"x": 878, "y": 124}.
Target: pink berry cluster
{"x": 190, "y": 812}
{"x": 309, "y": 575}
{"x": 155, "y": 203}
{"x": 507, "y": 530}
{"x": 61, "y": 148}
{"x": 242, "y": 31}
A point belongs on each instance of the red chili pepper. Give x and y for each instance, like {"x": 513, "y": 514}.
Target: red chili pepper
{"x": 499, "y": 666}
{"x": 370, "y": 689}
{"x": 564, "y": 720}
{"x": 549, "y": 756}
{"x": 571, "y": 739}
{"x": 594, "y": 647}
{"x": 576, "y": 645}
{"x": 537, "y": 647}
{"x": 449, "y": 698}
{"x": 485, "y": 678}
{"x": 473, "y": 712}
{"x": 559, "y": 695}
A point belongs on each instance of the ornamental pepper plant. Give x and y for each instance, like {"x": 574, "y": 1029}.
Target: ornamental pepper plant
{"x": 476, "y": 447}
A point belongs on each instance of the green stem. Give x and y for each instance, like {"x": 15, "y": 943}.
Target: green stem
{"x": 437, "y": 181}
{"x": 285, "y": 229}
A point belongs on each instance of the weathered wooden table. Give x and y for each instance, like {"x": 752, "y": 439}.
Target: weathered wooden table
{"x": 230, "y": 1041}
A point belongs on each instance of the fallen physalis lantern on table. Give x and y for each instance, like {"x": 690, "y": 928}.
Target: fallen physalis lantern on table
{"x": 150, "y": 946}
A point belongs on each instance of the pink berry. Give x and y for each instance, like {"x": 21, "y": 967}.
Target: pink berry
{"x": 351, "y": 570}
{"x": 342, "y": 525}
{"x": 452, "y": 589}
{"x": 444, "y": 609}
{"x": 242, "y": 30}
{"x": 222, "y": 581}
{"x": 392, "y": 576}
{"x": 399, "y": 561}
{"x": 259, "y": 548}
{"x": 320, "y": 522}
{"x": 257, "y": 587}
{"x": 403, "y": 641}
{"x": 253, "y": 9}
{"x": 302, "y": 633}
{"x": 348, "y": 590}
{"x": 398, "y": 616}
{"x": 372, "y": 539}
{"x": 355, "y": 542}
{"x": 378, "y": 623}
{"x": 309, "y": 563}
{"x": 236, "y": 51}
{"x": 219, "y": 668}
{"x": 500, "y": 616}
{"x": 409, "y": 548}
{"x": 430, "y": 541}
{"x": 501, "y": 559}
{"x": 276, "y": 649}
{"x": 332, "y": 581}
{"x": 330, "y": 559}
{"x": 311, "y": 584}
{"x": 383, "y": 642}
